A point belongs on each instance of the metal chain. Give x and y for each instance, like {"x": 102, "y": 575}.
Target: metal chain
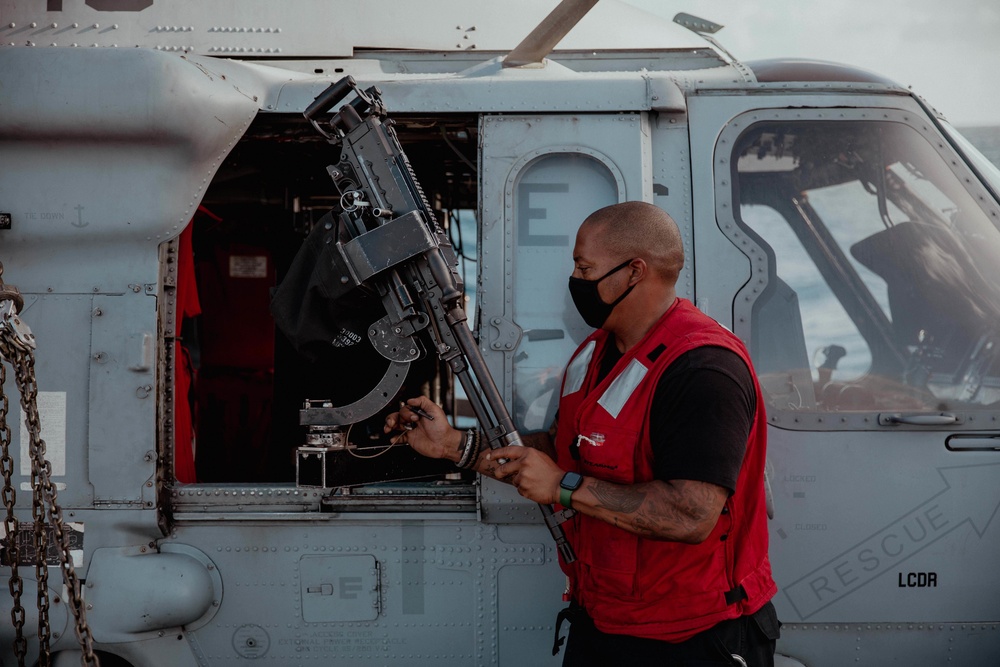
{"x": 10, "y": 526}
{"x": 16, "y": 346}
{"x": 38, "y": 514}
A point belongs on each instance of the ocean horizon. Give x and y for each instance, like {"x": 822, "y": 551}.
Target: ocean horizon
{"x": 986, "y": 138}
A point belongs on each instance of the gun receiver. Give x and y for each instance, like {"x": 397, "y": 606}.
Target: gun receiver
{"x": 388, "y": 240}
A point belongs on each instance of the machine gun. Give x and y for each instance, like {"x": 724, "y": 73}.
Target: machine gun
{"x": 386, "y": 240}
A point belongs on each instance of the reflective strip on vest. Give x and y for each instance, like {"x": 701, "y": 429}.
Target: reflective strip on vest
{"x": 621, "y": 389}
{"x": 577, "y": 370}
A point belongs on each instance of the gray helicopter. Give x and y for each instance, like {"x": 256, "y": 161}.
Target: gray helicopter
{"x": 195, "y": 474}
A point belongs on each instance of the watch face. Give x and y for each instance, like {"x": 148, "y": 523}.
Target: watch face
{"x": 571, "y": 481}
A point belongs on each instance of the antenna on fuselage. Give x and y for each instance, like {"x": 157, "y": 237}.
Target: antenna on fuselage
{"x": 540, "y": 42}
{"x": 705, "y": 28}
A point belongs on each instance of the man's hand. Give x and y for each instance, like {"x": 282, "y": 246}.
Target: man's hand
{"x": 431, "y": 436}
{"x": 533, "y": 474}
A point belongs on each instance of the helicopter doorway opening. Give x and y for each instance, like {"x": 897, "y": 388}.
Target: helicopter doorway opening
{"x": 247, "y": 382}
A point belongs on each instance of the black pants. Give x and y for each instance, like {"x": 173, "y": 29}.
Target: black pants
{"x": 750, "y": 637}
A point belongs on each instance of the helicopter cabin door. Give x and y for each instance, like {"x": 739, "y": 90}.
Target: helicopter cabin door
{"x": 542, "y": 175}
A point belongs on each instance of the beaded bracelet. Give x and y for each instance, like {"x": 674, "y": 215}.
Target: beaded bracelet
{"x": 479, "y": 449}
{"x": 469, "y": 440}
{"x": 473, "y": 447}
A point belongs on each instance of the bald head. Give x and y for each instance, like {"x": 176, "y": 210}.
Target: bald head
{"x": 637, "y": 229}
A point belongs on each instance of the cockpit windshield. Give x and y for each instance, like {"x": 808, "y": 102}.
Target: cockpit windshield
{"x": 988, "y": 170}
{"x": 883, "y": 286}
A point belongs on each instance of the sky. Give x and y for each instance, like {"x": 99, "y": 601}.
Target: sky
{"x": 947, "y": 51}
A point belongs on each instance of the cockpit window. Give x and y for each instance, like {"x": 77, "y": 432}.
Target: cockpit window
{"x": 989, "y": 171}
{"x": 883, "y": 271}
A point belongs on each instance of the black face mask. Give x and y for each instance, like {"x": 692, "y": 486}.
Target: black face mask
{"x": 588, "y": 300}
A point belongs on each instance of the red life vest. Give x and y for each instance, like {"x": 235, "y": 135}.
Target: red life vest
{"x": 649, "y": 588}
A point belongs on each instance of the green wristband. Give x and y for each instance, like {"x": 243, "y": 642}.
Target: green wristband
{"x": 565, "y": 497}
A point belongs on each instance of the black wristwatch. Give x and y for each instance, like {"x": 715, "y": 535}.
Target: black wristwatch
{"x": 571, "y": 481}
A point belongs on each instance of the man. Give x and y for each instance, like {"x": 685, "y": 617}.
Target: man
{"x": 659, "y": 447}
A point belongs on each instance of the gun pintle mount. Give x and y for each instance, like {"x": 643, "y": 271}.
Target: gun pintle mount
{"x": 385, "y": 240}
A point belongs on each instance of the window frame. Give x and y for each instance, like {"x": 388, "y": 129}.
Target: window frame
{"x": 761, "y": 256}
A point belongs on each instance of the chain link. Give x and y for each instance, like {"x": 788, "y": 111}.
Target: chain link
{"x": 44, "y": 500}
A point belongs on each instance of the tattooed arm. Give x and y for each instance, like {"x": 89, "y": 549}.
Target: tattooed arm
{"x": 680, "y": 510}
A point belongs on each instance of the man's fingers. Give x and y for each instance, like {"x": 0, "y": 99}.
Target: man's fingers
{"x": 396, "y": 421}
{"x": 424, "y": 407}
{"x": 508, "y": 469}
{"x": 510, "y": 453}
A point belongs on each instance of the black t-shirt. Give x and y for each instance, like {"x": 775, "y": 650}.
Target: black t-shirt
{"x": 702, "y": 412}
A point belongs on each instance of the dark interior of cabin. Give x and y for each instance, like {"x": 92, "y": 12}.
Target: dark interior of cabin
{"x": 249, "y": 382}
